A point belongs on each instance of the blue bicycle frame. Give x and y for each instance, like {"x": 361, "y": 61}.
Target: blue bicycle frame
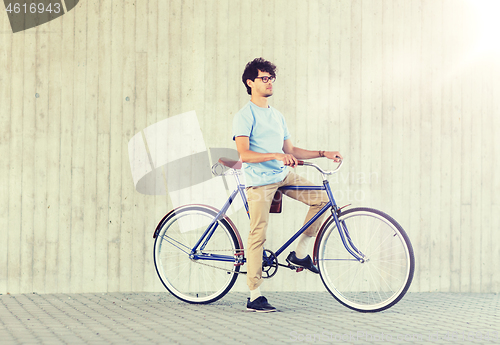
{"x": 197, "y": 250}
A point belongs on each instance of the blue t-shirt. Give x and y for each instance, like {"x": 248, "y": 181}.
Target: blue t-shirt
{"x": 266, "y": 129}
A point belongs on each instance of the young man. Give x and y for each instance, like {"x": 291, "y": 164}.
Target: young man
{"x": 266, "y": 150}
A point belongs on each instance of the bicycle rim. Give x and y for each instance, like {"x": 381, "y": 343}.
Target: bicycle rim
{"x": 386, "y": 274}
{"x": 195, "y": 281}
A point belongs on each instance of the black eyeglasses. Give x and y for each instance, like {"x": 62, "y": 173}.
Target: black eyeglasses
{"x": 266, "y": 79}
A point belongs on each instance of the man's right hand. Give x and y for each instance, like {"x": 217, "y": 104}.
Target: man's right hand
{"x": 287, "y": 159}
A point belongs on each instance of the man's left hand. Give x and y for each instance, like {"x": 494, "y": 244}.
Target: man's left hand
{"x": 333, "y": 155}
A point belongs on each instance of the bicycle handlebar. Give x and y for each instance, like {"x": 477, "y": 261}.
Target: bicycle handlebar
{"x": 323, "y": 172}
{"x": 224, "y": 162}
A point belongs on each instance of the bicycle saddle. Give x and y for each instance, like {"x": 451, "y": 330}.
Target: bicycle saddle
{"x": 230, "y": 163}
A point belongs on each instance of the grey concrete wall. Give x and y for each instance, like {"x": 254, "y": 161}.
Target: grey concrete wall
{"x": 406, "y": 90}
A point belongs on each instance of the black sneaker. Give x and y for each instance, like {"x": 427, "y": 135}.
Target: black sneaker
{"x": 305, "y": 262}
{"x": 260, "y": 305}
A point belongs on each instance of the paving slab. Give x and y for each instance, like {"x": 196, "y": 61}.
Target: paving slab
{"x": 303, "y": 318}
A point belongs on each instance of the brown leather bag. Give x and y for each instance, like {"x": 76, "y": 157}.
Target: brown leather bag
{"x": 277, "y": 201}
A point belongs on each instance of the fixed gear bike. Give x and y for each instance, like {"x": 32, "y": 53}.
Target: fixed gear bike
{"x": 364, "y": 256}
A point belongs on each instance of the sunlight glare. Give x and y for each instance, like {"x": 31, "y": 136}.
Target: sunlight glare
{"x": 488, "y": 12}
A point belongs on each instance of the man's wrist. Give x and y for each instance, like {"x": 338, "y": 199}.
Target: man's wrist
{"x": 321, "y": 153}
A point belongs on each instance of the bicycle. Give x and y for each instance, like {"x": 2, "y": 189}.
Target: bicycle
{"x": 364, "y": 256}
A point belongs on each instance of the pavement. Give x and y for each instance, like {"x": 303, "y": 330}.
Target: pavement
{"x": 304, "y": 317}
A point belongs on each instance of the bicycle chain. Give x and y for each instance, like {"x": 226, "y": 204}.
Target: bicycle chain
{"x": 224, "y": 269}
{"x": 220, "y": 268}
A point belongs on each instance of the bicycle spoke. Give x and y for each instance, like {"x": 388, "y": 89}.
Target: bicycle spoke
{"x": 381, "y": 280}
{"x": 195, "y": 280}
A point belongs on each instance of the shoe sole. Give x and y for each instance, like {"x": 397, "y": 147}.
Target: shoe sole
{"x": 261, "y": 311}
{"x": 299, "y": 266}
{"x": 296, "y": 265}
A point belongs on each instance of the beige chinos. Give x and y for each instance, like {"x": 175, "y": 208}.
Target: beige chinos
{"x": 259, "y": 203}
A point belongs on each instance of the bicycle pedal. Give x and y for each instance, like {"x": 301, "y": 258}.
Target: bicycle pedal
{"x": 294, "y": 268}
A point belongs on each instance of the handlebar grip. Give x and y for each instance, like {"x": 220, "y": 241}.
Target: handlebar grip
{"x": 300, "y": 163}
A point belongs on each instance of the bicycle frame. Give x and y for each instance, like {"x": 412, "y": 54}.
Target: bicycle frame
{"x": 197, "y": 250}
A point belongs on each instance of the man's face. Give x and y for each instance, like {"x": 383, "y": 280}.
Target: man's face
{"x": 259, "y": 88}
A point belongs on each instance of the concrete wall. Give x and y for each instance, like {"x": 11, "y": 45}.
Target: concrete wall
{"x": 406, "y": 90}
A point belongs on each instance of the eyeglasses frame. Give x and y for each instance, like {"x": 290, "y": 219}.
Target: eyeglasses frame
{"x": 269, "y": 78}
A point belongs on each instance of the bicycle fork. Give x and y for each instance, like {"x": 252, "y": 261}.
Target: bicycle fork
{"x": 342, "y": 227}
{"x": 347, "y": 241}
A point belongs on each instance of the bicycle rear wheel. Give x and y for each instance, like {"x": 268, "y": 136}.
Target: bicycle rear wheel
{"x": 187, "y": 277}
{"x": 387, "y": 271}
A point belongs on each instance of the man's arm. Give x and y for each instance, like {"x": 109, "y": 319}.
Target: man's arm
{"x": 248, "y": 156}
{"x": 299, "y": 153}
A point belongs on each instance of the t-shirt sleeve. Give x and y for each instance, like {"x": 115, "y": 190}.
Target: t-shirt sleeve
{"x": 242, "y": 124}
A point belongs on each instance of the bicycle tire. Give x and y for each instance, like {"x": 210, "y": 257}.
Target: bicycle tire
{"x": 194, "y": 280}
{"x": 377, "y": 283}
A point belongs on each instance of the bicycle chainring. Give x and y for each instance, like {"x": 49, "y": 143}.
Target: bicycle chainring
{"x": 269, "y": 264}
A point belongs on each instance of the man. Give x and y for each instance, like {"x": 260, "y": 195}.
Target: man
{"x": 264, "y": 145}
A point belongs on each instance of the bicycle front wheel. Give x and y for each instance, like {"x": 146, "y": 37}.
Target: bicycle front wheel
{"x": 382, "y": 278}
{"x": 204, "y": 275}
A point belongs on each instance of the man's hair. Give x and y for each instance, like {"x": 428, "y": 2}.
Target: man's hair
{"x": 252, "y": 71}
